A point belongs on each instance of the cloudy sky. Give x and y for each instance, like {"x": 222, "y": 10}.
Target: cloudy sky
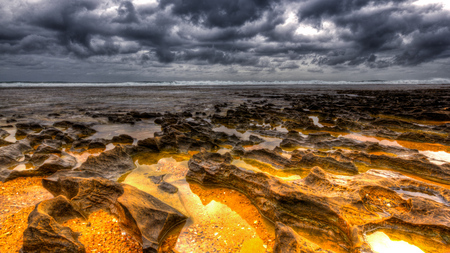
{"x": 140, "y": 40}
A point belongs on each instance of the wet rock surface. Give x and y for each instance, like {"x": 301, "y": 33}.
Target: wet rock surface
{"x": 144, "y": 217}
{"x": 328, "y": 168}
{"x": 111, "y": 164}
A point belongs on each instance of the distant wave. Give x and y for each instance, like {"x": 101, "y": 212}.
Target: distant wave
{"x": 436, "y": 81}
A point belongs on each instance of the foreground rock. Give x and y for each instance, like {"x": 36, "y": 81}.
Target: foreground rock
{"x": 144, "y": 217}
{"x": 338, "y": 209}
{"x": 45, "y": 234}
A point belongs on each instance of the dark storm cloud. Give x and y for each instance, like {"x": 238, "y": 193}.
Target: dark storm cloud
{"x": 219, "y": 13}
{"x": 264, "y": 34}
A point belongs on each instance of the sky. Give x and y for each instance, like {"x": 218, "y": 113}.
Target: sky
{"x": 238, "y": 40}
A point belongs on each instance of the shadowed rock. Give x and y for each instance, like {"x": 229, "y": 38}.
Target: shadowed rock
{"x": 143, "y": 216}
{"x": 309, "y": 160}
{"x": 123, "y": 138}
{"x": 166, "y": 187}
{"x": 45, "y": 234}
{"x": 3, "y": 133}
{"x": 110, "y": 164}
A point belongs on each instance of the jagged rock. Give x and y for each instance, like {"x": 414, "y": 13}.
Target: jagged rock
{"x": 290, "y": 144}
{"x": 339, "y": 209}
{"x": 9, "y": 155}
{"x": 275, "y": 199}
{"x": 110, "y": 164}
{"x": 51, "y": 131}
{"x": 255, "y": 139}
{"x": 33, "y": 126}
{"x": 123, "y": 138}
{"x": 143, "y": 216}
{"x": 420, "y": 168}
{"x": 46, "y": 149}
{"x": 153, "y": 217}
{"x": 166, "y": 187}
{"x": 4, "y": 143}
{"x": 97, "y": 144}
{"x": 157, "y": 179}
{"x": 264, "y": 155}
{"x": 45, "y": 233}
{"x": 63, "y": 124}
{"x": 3, "y": 133}
{"x": 81, "y": 130}
{"x": 46, "y": 164}
{"x": 288, "y": 241}
{"x": 308, "y": 160}
{"x": 123, "y": 119}
{"x": 149, "y": 143}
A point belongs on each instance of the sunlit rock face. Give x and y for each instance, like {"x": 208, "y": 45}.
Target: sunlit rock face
{"x": 337, "y": 209}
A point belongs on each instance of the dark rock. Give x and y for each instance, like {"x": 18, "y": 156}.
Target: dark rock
{"x": 3, "y": 133}
{"x": 46, "y": 164}
{"x": 123, "y": 138}
{"x": 46, "y": 149}
{"x": 166, "y": 187}
{"x": 51, "y": 131}
{"x": 81, "y": 130}
{"x": 9, "y": 155}
{"x": 63, "y": 124}
{"x": 21, "y": 133}
{"x": 149, "y": 143}
{"x": 37, "y": 139}
{"x": 122, "y": 119}
{"x": 97, "y": 144}
{"x": 30, "y": 126}
{"x": 255, "y": 139}
{"x": 110, "y": 164}
{"x": 45, "y": 234}
{"x": 4, "y": 143}
{"x": 156, "y": 179}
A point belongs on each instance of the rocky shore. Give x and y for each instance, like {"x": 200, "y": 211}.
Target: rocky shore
{"x": 243, "y": 170}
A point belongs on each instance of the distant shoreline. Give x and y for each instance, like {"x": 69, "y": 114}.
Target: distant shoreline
{"x": 299, "y": 84}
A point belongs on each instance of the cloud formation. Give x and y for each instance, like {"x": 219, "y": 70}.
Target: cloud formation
{"x": 260, "y": 35}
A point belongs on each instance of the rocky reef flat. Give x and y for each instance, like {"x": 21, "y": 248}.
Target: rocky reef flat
{"x": 225, "y": 169}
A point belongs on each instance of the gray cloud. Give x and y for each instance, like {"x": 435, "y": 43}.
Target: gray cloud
{"x": 260, "y": 35}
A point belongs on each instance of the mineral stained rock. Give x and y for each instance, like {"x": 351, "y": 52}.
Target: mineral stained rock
{"x": 337, "y": 208}
{"x": 77, "y": 194}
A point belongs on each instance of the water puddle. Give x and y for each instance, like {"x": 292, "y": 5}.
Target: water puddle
{"x": 433, "y": 197}
{"x": 140, "y": 130}
{"x": 219, "y": 218}
{"x": 12, "y": 134}
{"x": 269, "y": 142}
{"x": 437, "y": 157}
{"x": 363, "y": 138}
{"x": 381, "y": 243}
{"x": 315, "y": 121}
